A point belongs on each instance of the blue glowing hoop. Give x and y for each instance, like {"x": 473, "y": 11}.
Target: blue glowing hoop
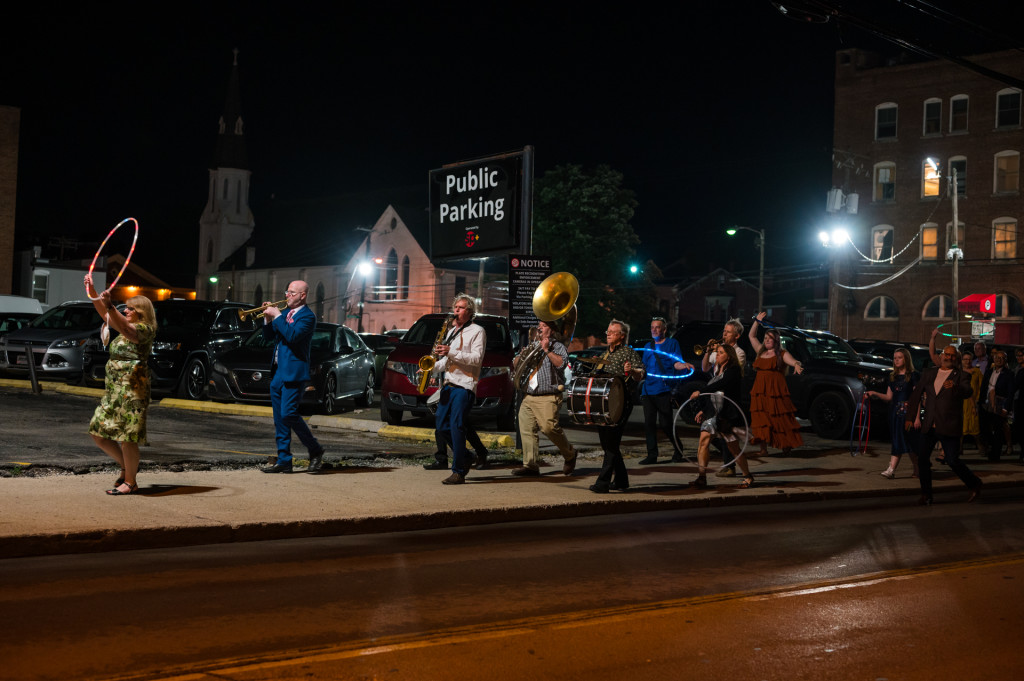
{"x": 670, "y": 377}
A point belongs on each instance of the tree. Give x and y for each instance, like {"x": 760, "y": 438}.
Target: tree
{"x": 581, "y": 219}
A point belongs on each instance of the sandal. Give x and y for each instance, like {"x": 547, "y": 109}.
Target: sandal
{"x": 748, "y": 482}
{"x": 700, "y": 482}
{"x": 117, "y": 491}
{"x": 120, "y": 479}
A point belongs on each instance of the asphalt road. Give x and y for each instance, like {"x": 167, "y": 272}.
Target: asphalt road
{"x": 865, "y": 589}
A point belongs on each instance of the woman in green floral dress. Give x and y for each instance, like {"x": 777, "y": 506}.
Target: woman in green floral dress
{"x": 119, "y": 424}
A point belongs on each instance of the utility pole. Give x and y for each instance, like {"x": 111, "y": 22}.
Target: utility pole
{"x": 956, "y": 254}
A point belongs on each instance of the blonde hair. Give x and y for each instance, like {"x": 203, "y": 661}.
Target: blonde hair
{"x": 144, "y": 306}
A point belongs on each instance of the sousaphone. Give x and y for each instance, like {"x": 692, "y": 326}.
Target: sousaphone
{"x": 554, "y": 301}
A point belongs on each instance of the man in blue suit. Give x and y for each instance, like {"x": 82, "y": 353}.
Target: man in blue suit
{"x": 293, "y": 332}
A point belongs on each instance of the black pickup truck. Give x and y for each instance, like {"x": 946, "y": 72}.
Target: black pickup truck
{"x": 826, "y": 393}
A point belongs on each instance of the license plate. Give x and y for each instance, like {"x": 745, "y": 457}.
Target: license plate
{"x": 22, "y": 360}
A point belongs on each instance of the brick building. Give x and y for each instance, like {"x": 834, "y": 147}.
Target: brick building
{"x": 900, "y": 131}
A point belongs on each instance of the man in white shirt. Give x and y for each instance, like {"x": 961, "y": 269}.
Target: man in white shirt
{"x": 461, "y": 355}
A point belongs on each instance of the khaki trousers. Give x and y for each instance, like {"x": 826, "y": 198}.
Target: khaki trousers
{"x": 540, "y": 413}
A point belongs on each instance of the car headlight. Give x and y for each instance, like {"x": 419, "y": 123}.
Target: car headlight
{"x": 70, "y": 343}
{"x": 166, "y": 346}
{"x": 220, "y": 368}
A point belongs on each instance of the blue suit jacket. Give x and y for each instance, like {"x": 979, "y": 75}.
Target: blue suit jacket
{"x": 293, "y": 343}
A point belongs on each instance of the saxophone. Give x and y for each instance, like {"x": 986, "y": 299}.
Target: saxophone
{"x": 426, "y": 362}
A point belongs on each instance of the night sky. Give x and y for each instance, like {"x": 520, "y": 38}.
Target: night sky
{"x": 716, "y": 113}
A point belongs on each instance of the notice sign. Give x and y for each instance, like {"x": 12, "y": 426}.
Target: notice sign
{"x": 475, "y": 208}
{"x": 525, "y": 273}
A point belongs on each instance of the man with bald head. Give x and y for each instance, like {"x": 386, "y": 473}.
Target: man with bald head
{"x": 293, "y": 333}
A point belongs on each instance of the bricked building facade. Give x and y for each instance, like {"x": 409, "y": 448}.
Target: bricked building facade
{"x": 889, "y": 121}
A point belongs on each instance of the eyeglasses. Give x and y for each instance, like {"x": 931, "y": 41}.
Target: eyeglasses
{"x": 291, "y": 293}
{"x": 657, "y": 319}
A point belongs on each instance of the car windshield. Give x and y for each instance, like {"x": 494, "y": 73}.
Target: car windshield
{"x": 424, "y": 332}
{"x": 830, "y": 348}
{"x": 68, "y": 319}
{"x": 176, "y": 317}
{"x": 257, "y": 341}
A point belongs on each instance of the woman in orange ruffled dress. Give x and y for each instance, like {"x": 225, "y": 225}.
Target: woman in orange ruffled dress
{"x": 772, "y": 414}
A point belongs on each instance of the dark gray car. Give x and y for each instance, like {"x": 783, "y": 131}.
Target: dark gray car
{"x": 55, "y": 341}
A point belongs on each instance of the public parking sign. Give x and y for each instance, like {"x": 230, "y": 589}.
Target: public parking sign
{"x": 475, "y": 207}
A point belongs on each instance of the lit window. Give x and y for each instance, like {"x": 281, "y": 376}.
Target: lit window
{"x": 885, "y": 182}
{"x": 929, "y": 241}
{"x": 931, "y": 181}
{"x": 933, "y": 117}
{"x": 885, "y": 121}
{"x": 1004, "y": 238}
{"x": 882, "y": 307}
{"x": 1007, "y": 171}
{"x": 958, "y": 113}
{"x": 881, "y": 242}
{"x": 1008, "y": 108}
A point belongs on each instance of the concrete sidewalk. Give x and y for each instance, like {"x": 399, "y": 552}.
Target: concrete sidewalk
{"x": 61, "y": 514}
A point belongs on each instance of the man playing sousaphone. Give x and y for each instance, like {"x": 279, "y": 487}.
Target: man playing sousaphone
{"x": 622, "y": 361}
{"x": 541, "y": 403}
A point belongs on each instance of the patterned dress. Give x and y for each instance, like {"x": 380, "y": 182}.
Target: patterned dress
{"x": 901, "y": 388}
{"x": 772, "y": 414}
{"x": 971, "y": 425}
{"x": 121, "y": 415}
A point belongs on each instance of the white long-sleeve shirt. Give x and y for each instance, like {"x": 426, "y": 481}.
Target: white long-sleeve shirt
{"x": 465, "y": 357}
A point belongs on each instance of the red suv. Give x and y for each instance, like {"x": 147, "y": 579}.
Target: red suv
{"x": 494, "y": 393}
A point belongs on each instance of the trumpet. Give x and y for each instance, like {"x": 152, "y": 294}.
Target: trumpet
{"x": 710, "y": 346}
{"x": 245, "y": 314}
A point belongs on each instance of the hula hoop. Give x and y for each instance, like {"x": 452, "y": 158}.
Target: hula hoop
{"x": 671, "y": 377}
{"x": 127, "y": 258}
{"x": 746, "y": 429}
{"x": 969, "y": 329}
{"x": 861, "y": 426}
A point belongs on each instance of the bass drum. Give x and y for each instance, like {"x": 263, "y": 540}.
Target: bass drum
{"x": 597, "y": 400}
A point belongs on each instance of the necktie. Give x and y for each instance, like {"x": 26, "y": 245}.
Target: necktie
{"x": 291, "y": 313}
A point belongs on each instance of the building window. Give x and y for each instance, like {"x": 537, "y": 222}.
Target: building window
{"x": 40, "y": 285}
{"x": 959, "y": 164}
{"x": 885, "y": 121}
{"x": 391, "y": 276}
{"x": 1008, "y": 307}
{"x": 405, "y": 278}
{"x": 958, "y": 113}
{"x": 1007, "y": 172}
{"x": 209, "y": 251}
{"x": 225, "y": 188}
{"x": 1004, "y": 239}
{"x": 929, "y": 241}
{"x": 939, "y": 307}
{"x": 319, "y": 301}
{"x": 1008, "y": 108}
{"x": 885, "y": 182}
{"x": 931, "y": 181}
{"x": 882, "y": 307}
{"x": 257, "y": 298}
{"x": 881, "y": 242}
{"x": 933, "y": 117}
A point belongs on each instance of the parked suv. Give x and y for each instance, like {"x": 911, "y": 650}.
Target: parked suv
{"x": 494, "y": 393}
{"x": 190, "y": 336}
{"x": 826, "y": 393}
{"x": 56, "y": 339}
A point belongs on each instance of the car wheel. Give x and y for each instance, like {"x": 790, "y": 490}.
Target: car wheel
{"x": 330, "y": 402}
{"x": 830, "y": 415}
{"x": 366, "y": 399}
{"x": 193, "y": 381}
{"x": 392, "y": 417}
{"x": 507, "y": 421}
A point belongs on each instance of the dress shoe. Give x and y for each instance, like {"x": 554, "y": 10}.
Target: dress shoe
{"x": 454, "y": 479}
{"x": 278, "y": 468}
{"x": 600, "y": 488}
{"x": 648, "y": 461}
{"x": 481, "y": 461}
{"x": 436, "y": 466}
{"x": 678, "y": 458}
{"x": 975, "y": 495}
{"x": 316, "y": 462}
{"x": 924, "y": 500}
{"x": 526, "y": 471}
{"x": 622, "y": 487}
{"x": 569, "y": 466}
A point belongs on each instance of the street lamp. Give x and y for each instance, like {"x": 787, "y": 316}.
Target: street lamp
{"x": 364, "y": 268}
{"x": 760, "y": 245}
